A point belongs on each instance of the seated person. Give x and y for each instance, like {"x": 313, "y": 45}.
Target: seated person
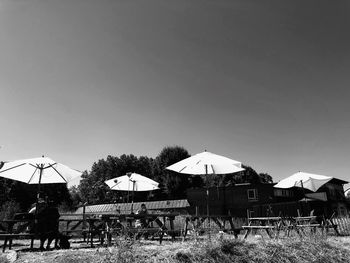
{"x": 46, "y": 222}
{"x": 142, "y": 221}
{"x": 35, "y": 212}
{"x": 51, "y": 225}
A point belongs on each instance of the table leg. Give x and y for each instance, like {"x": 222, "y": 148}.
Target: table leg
{"x": 91, "y": 235}
{"x": 161, "y": 236}
{"x": 5, "y": 244}
{"x": 247, "y": 233}
{"x": 268, "y": 233}
{"x": 185, "y": 229}
{"x": 32, "y": 243}
{"x": 10, "y": 243}
{"x": 171, "y": 222}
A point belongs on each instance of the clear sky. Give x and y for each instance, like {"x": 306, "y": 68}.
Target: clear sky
{"x": 262, "y": 82}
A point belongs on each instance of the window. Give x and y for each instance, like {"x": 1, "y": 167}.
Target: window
{"x": 332, "y": 192}
{"x": 252, "y": 194}
{"x": 283, "y": 192}
{"x": 342, "y": 211}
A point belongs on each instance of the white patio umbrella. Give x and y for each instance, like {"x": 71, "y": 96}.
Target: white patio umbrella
{"x": 132, "y": 182}
{"x": 304, "y": 180}
{"x": 42, "y": 170}
{"x": 206, "y": 163}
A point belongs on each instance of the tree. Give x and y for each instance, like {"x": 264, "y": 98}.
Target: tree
{"x": 92, "y": 188}
{"x": 73, "y": 202}
{"x": 8, "y": 209}
{"x": 174, "y": 184}
{"x": 5, "y": 189}
{"x": 26, "y": 194}
{"x": 265, "y": 178}
{"x": 249, "y": 175}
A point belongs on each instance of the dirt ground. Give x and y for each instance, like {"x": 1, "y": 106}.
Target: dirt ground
{"x": 82, "y": 252}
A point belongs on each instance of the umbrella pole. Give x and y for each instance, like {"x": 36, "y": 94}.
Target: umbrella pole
{"x": 38, "y": 193}
{"x": 207, "y": 186}
{"x": 132, "y": 197}
{"x": 128, "y": 195}
{"x": 41, "y": 168}
{"x": 307, "y": 207}
{"x": 207, "y": 190}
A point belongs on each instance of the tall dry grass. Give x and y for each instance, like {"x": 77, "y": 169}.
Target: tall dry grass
{"x": 218, "y": 250}
{"x": 275, "y": 251}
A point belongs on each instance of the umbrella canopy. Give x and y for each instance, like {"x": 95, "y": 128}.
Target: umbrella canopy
{"x": 132, "y": 182}
{"x": 41, "y": 170}
{"x": 206, "y": 163}
{"x": 305, "y": 180}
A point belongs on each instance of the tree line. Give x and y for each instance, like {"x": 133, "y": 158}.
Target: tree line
{"x": 93, "y": 190}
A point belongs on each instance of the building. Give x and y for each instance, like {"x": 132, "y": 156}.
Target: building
{"x": 260, "y": 199}
{"x": 232, "y": 200}
{"x": 166, "y": 206}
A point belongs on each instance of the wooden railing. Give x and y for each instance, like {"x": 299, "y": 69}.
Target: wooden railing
{"x": 343, "y": 224}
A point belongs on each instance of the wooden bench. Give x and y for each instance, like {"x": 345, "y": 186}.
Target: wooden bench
{"x": 250, "y": 228}
{"x": 258, "y": 227}
{"x": 310, "y": 225}
{"x": 145, "y": 231}
{"x": 9, "y": 237}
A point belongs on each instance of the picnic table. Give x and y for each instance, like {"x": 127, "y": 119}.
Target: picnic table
{"x": 272, "y": 225}
{"x": 275, "y": 225}
{"x": 9, "y": 232}
{"x": 104, "y": 227}
{"x": 23, "y": 226}
{"x": 314, "y": 222}
{"x": 196, "y": 224}
{"x": 107, "y": 226}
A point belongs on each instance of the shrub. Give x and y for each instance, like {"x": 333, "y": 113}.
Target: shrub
{"x": 183, "y": 257}
{"x": 9, "y": 209}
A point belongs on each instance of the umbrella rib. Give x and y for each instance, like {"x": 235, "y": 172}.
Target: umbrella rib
{"x": 36, "y": 168}
{"x": 58, "y": 172}
{"x": 212, "y": 167}
{"x": 115, "y": 185}
{"x": 182, "y": 169}
{"x": 50, "y": 165}
{"x": 12, "y": 167}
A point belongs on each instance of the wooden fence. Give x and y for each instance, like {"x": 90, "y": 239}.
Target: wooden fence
{"x": 343, "y": 224}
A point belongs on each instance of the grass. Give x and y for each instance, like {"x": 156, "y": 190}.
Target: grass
{"x": 218, "y": 250}
{"x": 274, "y": 251}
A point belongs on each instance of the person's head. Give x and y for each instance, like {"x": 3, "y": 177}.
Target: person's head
{"x": 51, "y": 203}
{"x": 41, "y": 200}
{"x": 143, "y": 207}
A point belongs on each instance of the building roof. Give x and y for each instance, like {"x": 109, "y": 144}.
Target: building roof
{"x": 308, "y": 180}
{"x": 125, "y": 208}
{"x": 338, "y": 181}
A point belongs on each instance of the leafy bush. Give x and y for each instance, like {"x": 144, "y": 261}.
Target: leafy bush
{"x": 183, "y": 257}
{"x": 8, "y": 209}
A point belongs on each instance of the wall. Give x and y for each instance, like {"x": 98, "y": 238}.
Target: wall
{"x": 233, "y": 200}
